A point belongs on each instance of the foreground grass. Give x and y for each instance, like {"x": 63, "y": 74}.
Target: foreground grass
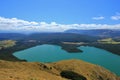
{"x": 62, "y": 70}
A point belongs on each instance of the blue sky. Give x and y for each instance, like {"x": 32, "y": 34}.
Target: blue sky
{"x": 62, "y": 11}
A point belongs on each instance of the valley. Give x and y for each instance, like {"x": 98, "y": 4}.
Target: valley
{"x": 59, "y": 39}
{"x": 69, "y": 42}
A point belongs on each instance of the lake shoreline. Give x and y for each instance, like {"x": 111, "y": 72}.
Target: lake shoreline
{"x": 90, "y": 54}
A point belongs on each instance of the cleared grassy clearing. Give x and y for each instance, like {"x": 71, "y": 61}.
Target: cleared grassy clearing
{"x": 108, "y": 41}
{"x": 7, "y": 43}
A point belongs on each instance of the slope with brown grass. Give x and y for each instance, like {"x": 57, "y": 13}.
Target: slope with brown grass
{"x": 63, "y": 70}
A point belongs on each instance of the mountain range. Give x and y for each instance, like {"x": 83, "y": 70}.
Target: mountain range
{"x": 97, "y": 32}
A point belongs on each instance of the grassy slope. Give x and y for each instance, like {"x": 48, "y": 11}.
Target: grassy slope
{"x": 51, "y": 71}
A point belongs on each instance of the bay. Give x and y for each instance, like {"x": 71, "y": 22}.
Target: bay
{"x": 53, "y": 53}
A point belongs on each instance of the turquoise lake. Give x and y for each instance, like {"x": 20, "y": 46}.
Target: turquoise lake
{"x": 53, "y": 53}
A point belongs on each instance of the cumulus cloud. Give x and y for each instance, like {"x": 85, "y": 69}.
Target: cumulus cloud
{"x": 14, "y": 24}
{"x": 116, "y": 17}
{"x": 98, "y": 18}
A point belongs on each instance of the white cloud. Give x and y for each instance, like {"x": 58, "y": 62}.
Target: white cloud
{"x": 14, "y": 24}
{"x": 116, "y": 17}
{"x": 98, "y": 18}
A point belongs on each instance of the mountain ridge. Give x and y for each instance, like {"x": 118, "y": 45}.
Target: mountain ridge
{"x": 62, "y": 70}
{"x": 96, "y": 32}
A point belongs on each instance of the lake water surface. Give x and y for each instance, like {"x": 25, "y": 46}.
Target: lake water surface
{"x": 53, "y": 53}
